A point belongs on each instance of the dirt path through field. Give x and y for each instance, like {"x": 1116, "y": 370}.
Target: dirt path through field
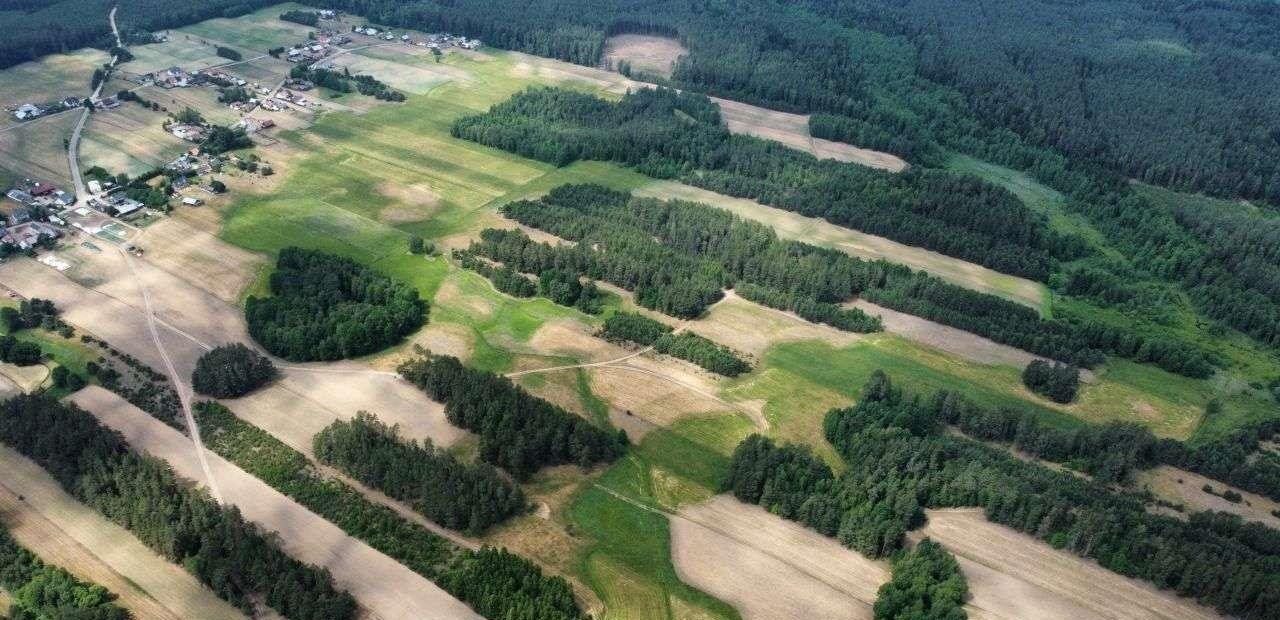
{"x": 379, "y": 583}
{"x": 1012, "y": 575}
{"x": 64, "y": 532}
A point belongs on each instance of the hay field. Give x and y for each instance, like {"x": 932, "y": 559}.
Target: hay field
{"x": 645, "y": 53}
{"x": 1013, "y": 575}
{"x": 129, "y": 139}
{"x": 181, "y": 50}
{"x": 48, "y": 79}
{"x": 254, "y": 33}
{"x": 793, "y": 131}
{"x": 732, "y": 550}
{"x": 71, "y": 535}
{"x": 1179, "y": 486}
{"x": 35, "y": 149}
{"x": 817, "y": 231}
{"x": 380, "y": 585}
{"x": 200, "y": 258}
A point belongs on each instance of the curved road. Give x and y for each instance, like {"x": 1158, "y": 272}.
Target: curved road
{"x": 73, "y": 145}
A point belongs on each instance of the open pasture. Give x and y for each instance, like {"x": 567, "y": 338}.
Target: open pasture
{"x": 645, "y": 53}
{"x": 130, "y": 138}
{"x": 35, "y": 149}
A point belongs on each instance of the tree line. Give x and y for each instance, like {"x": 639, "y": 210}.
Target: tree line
{"x": 956, "y": 215}
{"x": 899, "y": 461}
{"x": 496, "y": 584}
{"x": 344, "y": 82}
{"x": 39, "y": 591}
{"x": 230, "y": 556}
{"x": 325, "y": 307}
{"x": 519, "y": 432}
{"x": 459, "y": 496}
{"x": 678, "y": 256}
{"x": 644, "y": 331}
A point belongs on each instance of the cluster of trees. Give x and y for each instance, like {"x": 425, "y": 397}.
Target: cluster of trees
{"x": 464, "y": 497}
{"x": 566, "y": 288}
{"x": 181, "y": 523}
{"x": 141, "y": 385}
{"x": 494, "y": 583}
{"x": 344, "y": 82}
{"x": 518, "y": 431}
{"x": 19, "y": 352}
{"x": 221, "y": 139}
{"x": 325, "y": 307}
{"x": 32, "y": 313}
{"x": 1057, "y": 382}
{"x": 961, "y": 216}
{"x": 899, "y": 461}
{"x": 233, "y": 94}
{"x": 40, "y": 591}
{"x": 306, "y": 18}
{"x": 504, "y": 278}
{"x": 644, "y": 331}
{"x": 230, "y": 371}
{"x": 228, "y": 53}
{"x": 926, "y": 584}
{"x": 809, "y": 309}
{"x": 678, "y": 256}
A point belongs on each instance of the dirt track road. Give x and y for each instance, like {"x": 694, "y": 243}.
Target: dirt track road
{"x": 379, "y": 583}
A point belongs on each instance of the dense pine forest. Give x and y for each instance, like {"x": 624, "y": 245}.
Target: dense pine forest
{"x": 214, "y": 543}
{"x": 324, "y": 307}
{"x": 900, "y": 461}
{"x": 518, "y": 432}
{"x": 468, "y": 498}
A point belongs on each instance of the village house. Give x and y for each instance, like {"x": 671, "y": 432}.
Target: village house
{"x": 254, "y": 125}
{"x": 27, "y": 111}
{"x": 28, "y": 235}
{"x": 20, "y": 197}
{"x": 191, "y": 201}
{"x": 191, "y": 133}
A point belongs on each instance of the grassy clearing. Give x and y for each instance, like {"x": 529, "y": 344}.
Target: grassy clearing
{"x": 69, "y": 352}
{"x": 49, "y": 79}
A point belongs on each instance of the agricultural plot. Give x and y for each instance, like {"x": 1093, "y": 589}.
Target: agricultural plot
{"x": 254, "y": 33}
{"x": 129, "y": 139}
{"x": 793, "y": 131}
{"x": 51, "y": 78}
{"x": 1179, "y": 486}
{"x": 67, "y": 533}
{"x": 819, "y": 232}
{"x": 379, "y": 584}
{"x": 644, "y": 53}
{"x": 730, "y": 549}
{"x": 183, "y": 50}
{"x": 1012, "y": 575}
{"x": 35, "y": 149}
{"x": 203, "y": 99}
{"x": 200, "y": 258}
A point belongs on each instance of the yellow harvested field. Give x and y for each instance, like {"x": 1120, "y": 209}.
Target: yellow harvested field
{"x": 128, "y": 139}
{"x": 751, "y": 328}
{"x": 768, "y": 567}
{"x": 64, "y": 532}
{"x": 793, "y": 131}
{"x": 22, "y": 378}
{"x": 221, "y": 269}
{"x": 1179, "y": 486}
{"x": 1012, "y": 575}
{"x": 382, "y": 586}
{"x": 645, "y": 53}
{"x": 51, "y": 78}
{"x": 820, "y": 232}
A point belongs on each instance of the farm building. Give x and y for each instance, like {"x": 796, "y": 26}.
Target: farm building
{"x": 28, "y": 235}
{"x": 27, "y": 111}
{"x": 192, "y": 133}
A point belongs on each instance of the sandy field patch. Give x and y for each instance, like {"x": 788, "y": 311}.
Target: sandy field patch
{"x": 1012, "y": 575}
{"x": 793, "y": 131}
{"x": 200, "y": 258}
{"x": 379, "y": 584}
{"x": 751, "y": 328}
{"x": 23, "y": 378}
{"x": 571, "y": 338}
{"x": 1163, "y": 481}
{"x": 645, "y": 53}
{"x": 64, "y": 532}
{"x": 441, "y": 338}
{"x": 768, "y": 567}
{"x": 8, "y": 387}
{"x": 820, "y": 232}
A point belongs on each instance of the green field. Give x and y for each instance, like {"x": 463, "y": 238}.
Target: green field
{"x": 49, "y": 79}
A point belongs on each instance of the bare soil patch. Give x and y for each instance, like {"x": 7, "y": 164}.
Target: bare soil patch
{"x": 653, "y": 397}
{"x": 793, "y": 131}
{"x": 751, "y": 328}
{"x": 1012, "y": 575}
{"x": 1179, "y": 486}
{"x": 200, "y": 258}
{"x": 64, "y": 532}
{"x": 23, "y": 378}
{"x": 645, "y": 53}
{"x": 571, "y": 338}
{"x": 379, "y": 584}
{"x": 768, "y": 567}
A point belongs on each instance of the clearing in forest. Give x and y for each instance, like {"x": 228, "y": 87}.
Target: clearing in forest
{"x": 69, "y": 534}
{"x": 646, "y": 54}
{"x": 1179, "y": 486}
{"x": 378, "y": 583}
{"x": 1013, "y": 575}
{"x": 793, "y": 131}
